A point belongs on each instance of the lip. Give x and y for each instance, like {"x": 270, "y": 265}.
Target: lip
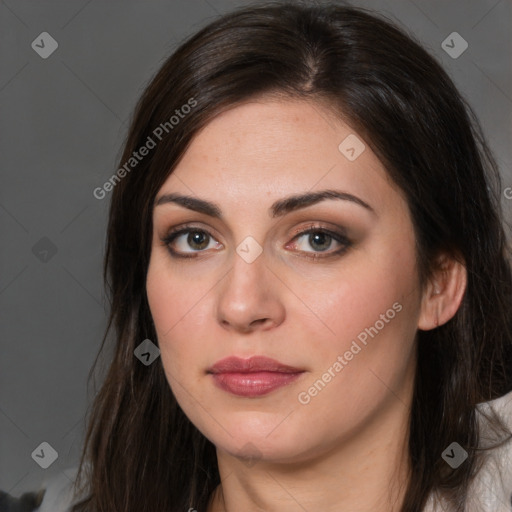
{"x": 253, "y": 377}
{"x": 254, "y": 364}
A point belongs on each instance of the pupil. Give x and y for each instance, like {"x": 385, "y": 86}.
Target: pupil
{"x": 197, "y": 238}
{"x": 321, "y": 238}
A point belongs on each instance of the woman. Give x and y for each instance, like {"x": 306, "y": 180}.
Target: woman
{"x": 305, "y": 227}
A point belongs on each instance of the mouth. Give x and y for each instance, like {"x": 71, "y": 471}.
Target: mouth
{"x": 253, "y": 377}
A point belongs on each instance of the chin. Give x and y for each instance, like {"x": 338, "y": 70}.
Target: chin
{"x": 258, "y": 436}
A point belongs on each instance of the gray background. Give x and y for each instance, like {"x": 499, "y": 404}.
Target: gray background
{"x": 62, "y": 123}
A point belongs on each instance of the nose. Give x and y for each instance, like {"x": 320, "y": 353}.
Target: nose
{"x": 250, "y": 297}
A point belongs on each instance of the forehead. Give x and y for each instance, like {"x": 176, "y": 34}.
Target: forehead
{"x": 265, "y": 149}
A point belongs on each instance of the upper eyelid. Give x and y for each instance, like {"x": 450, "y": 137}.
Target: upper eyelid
{"x": 179, "y": 230}
{"x": 310, "y": 226}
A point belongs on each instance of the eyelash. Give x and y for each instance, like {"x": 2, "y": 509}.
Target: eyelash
{"x": 187, "y": 228}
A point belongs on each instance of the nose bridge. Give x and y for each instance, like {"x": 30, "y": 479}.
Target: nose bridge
{"x": 247, "y": 294}
{"x": 247, "y": 279}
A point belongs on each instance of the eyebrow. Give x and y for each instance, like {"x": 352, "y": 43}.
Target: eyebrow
{"x": 278, "y": 209}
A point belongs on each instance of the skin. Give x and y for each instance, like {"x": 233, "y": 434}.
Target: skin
{"x": 344, "y": 450}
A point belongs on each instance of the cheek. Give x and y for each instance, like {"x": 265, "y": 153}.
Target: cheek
{"x": 172, "y": 301}
{"x": 178, "y": 309}
{"x": 372, "y": 310}
{"x": 180, "y": 302}
{"x": 367, "y": 290}
{"x": 175, "y": 294}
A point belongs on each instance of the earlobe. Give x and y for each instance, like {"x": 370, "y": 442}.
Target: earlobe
{"x": 443, "y": 294}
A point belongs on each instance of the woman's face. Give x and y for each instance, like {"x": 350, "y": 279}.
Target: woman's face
{"x": 336, "y": 309}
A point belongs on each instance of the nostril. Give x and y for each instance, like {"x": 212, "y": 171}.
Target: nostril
{"x": 259, "y": 321}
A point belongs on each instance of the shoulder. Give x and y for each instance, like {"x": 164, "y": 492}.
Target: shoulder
{"x": 491, "y": 489}
{"x": 493, "y": 483}
{"x": 502, "y": 406}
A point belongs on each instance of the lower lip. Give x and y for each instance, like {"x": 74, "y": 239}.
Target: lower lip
{"x": 253, "y": 384}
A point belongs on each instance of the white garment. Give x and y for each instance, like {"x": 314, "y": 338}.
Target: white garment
{"x": 490, "y": 491}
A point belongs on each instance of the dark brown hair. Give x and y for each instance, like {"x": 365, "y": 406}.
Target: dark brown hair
{"x": 141, "y": 453}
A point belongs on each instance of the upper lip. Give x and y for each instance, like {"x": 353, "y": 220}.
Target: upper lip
{"x": 254, "y": 364}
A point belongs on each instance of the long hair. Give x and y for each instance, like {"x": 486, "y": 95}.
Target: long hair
{"x": 141, "y": 453}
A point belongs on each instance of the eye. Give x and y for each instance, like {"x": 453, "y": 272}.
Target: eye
{"x": 321, "y": 240}
{"x": 189, "y": 241}
{"x": 196, "y": 239}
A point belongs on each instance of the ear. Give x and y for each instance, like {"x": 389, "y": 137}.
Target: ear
{"x": 443, "y": 293}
